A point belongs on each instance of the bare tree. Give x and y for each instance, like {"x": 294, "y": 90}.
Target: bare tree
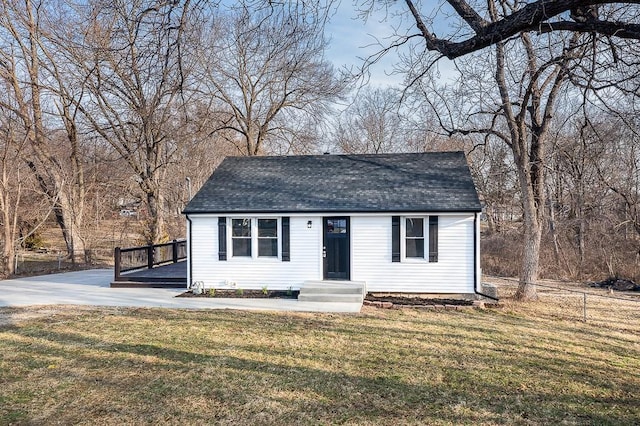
{"x": 131, "y": 59}
{"x": 266, "y": 76}
{"x": 536, "y": 52}
{"x": 372, "y": 123}
{"x": 12, "y": 143}
{"x": 39, "y": 99}
{"x": 516, "y": 108}
{"x": 493, "y": 173}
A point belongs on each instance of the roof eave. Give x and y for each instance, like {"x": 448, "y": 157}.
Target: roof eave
{"x": 331, "y": 212}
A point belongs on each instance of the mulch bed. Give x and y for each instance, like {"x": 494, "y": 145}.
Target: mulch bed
{"x": 245, "y": 294}
{"x": 618, "y": 284}
{"x": 418, "y": 301}
{"x": 390, "y": 302}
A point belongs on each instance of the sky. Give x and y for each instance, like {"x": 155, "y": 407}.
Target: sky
{"x": 353, "y": 39}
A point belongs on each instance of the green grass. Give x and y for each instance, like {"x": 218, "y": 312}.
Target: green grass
{"x": 114, "y": 366}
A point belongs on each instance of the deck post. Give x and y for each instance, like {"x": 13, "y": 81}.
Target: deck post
{"x": 116, "y": 262}
{"x": 174, "y": 247}
{"x": 150, "y": 256}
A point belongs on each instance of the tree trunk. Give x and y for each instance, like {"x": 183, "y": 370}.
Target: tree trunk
{"x": 530, "y": 256}
{"x": 530, "y": 177}
{"x": 69, "y": 217}
{"x": 554, "y": 234}
{"x": 155, "y": 223}
{"x": 8, "y": 247}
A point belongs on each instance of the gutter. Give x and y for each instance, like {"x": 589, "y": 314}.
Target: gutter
{"x": 189, "y": 256}
{"x": 475, "y": 260}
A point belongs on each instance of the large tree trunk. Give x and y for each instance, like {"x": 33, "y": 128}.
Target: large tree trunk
{"x": 530, "y": 257}
{"x": 532, "y": 204}
{"x": 155, "y": 223}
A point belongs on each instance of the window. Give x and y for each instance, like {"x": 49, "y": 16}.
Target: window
{"x": 414, "y": 237}
{"x": 255, "y": 237}
{"x": 414, "y": 232}
{"x": 337, "y": 226}
{"x": 241, "y": 237}
{"x": 267, "y": 237}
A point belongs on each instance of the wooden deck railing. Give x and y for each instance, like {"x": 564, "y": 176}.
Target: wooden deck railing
{"x": 147, "y": 257}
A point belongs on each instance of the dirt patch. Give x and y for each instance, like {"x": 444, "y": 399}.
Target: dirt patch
{"x": 15, "y": 316}
{"x": 245, "y": 294}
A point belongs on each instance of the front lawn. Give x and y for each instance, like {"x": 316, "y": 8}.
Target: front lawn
{"x": 115, "y": 366}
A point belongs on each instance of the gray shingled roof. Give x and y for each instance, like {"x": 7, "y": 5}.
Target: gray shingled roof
{"x": 420, "y": 182}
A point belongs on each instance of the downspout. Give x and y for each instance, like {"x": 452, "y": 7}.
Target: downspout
{"x": 476, "y": 277}
{"x": 189, "y": 257}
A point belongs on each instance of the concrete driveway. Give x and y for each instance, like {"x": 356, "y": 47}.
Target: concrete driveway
{"x": 91, "y": 288}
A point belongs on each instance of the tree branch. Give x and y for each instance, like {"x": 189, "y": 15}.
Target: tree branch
{"x": 532, "y": 17}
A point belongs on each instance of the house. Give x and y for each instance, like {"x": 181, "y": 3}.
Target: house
{"x": 394, "y": 222}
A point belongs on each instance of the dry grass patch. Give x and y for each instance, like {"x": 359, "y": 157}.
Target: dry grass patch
{"x": 114, "y": 366}
{"x": 560, "y": 300}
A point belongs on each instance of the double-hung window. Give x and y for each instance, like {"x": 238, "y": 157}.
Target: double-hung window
{"x": 251, "y": 237}
{"x": 267, "y": 237}
{"x": 241, "y": 237}
{"x": 414, "y": 237}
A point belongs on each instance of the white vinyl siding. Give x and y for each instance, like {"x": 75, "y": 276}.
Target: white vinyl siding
{"x": 256, "y": 272}
{"x": 371, "y": 257}
{"x": 370, "y": 242}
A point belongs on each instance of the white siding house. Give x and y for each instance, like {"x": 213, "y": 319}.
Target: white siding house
{"x": 395, "y": 222}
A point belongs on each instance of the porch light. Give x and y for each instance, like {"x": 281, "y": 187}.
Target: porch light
{"x": 309, "y": 223}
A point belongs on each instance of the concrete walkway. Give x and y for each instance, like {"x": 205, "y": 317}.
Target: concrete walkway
{"x": 91, "y": 288}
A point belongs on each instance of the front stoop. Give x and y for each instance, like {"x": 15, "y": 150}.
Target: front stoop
{"x": 332, "y": 291}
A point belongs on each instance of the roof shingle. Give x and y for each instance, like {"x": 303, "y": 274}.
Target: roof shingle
{"x": 419, "y": 182}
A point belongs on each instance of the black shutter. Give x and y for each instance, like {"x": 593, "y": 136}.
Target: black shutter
{"x": 433, "y": 238}
{"x": 395, "y": 238}
{"x": 285, "y": 239}
{"x": 222, "y": 238}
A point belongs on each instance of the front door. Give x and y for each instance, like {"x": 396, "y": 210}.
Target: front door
{"x": 336, "y": 248}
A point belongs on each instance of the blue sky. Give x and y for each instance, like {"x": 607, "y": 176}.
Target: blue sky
{"x": 352, "y": 39}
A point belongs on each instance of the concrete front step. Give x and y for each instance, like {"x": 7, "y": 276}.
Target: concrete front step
{"x": 318, "y": 289}
{"x": 340, "y": 298}
{"x": 332, "y": 291}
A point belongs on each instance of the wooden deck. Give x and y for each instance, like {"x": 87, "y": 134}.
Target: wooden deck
{"x": 173, "y": 275}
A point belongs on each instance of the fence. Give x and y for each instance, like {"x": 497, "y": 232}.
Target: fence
{"x": 148, "y": 257}
{"x": 571, "y": 301}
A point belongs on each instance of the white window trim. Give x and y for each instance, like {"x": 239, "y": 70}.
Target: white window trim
{"x": 254, "y": 239}
{"x": 403, "y": 239}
